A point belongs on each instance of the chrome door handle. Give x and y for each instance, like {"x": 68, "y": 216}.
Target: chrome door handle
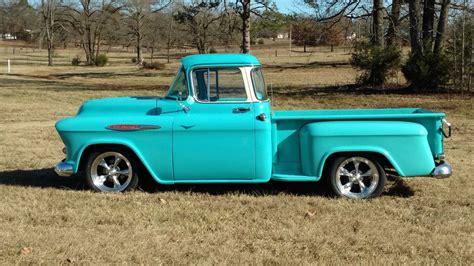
{"x": 240, "y": 110}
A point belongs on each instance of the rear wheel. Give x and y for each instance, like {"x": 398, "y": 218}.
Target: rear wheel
{"x": 357, "y": 177}
{"x": 112, "y": 170}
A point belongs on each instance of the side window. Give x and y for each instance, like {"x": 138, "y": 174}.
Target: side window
{"x": 179, "y": 88}
{"x": 219, "y": 84}
{"x": 259, "y": 84}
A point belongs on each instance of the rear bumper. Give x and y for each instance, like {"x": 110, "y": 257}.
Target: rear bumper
{"x": 442, "y": 170}
{"x": 64, "y": 169}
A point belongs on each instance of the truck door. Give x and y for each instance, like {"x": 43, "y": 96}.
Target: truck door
{"x": 215, "y": 139}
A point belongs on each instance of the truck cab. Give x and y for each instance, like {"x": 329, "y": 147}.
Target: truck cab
{"x": 224, "y": 121}
{"x": 216, "y": 125}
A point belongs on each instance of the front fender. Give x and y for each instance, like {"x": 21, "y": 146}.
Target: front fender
{"x": 152, "y": 146}
{"x": 404, "y": 144}
{"x": 160, "y": 176}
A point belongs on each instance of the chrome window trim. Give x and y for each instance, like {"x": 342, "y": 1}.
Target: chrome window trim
{"x": 243, "y": 73}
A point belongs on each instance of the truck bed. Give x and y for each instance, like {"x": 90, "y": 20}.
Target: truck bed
{"x": 351, "y": 114}
{"x": 286, "y": 126}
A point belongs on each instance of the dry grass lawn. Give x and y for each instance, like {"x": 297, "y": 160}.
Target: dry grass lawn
{"x": 48, "y": 219}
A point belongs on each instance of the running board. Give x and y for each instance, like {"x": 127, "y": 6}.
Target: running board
{"x": 294, "y": 178}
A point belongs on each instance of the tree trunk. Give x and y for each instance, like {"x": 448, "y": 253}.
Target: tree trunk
{"x": 428, "y": 24}
{"x": 138, "y": 35}
{"x": 168, "y": 43}
{"x": 415, "y": 19}
{"x": 393, "y": 27}
{"x": 97, "y": 51}
{"x": 440, "y": 32}
{"x": 88, "y": 46}
{"x": 463, "y": 36}
{"x": 378, "y": 22}
{"x": 152, "y": 53}
{"x": 245, "y": 26}
{"x": 139, "y": 49}
{"x": 47, "y": 10}
{"x": 200, "y": 45}
{"x": 50, "y": 54}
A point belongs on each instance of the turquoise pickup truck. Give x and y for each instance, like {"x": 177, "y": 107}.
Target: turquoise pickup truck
{"x": 215, "y": 125}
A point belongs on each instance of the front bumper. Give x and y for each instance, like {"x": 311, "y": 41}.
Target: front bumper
{"x": 442, "y": 170}
{"x": 64, "y": 169}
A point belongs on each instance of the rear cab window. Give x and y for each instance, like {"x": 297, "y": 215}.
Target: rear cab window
{"x": 258, "y": 83}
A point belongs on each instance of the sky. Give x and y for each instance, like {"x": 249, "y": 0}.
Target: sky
{"x": 284, "y": 6}
{"x": 287, "y": 6}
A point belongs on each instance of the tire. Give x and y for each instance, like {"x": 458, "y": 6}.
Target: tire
{"x": 357, "y": 177}
{"x": 112, "y": 170}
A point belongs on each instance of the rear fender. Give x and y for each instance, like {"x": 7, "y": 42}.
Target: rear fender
{"x": 403, "y": 144}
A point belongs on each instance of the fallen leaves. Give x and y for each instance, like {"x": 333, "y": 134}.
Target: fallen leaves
{"x": 26, "y": 250}
{"x": 309, "y": 214}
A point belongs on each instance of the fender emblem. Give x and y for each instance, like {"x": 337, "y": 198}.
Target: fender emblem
{"x": 187, "y": 127}
{"x": 131, "y": 127}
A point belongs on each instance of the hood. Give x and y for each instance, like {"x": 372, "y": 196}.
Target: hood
{"x": 133, "y": 105}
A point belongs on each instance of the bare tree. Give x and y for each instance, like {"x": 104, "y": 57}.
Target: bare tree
{"x": 17, "y": 17}
{"x": 415, "y": 26}
{"x": 48, "y": 11}
{"x": 305, "y": 32}
{"x": 197, "y": 19}
{"x": 88, "y": 19}
{"x": 428, "y": 24}
{"x": 329, "y": 13}
{"x": 229, "y": 27}
{"x": 394, "y": 23}
{"x": 139, "y": 13}
{"x": 377, "y": 38}
{"x": 245, "y": 8}
{"x": 441, "y": 30}
{"x": 169, "y": 39}
{"x": 245, "y": 16}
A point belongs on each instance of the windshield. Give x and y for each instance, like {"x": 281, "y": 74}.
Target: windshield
{"x": 178, "y": 89}
{"x": 259, "y": 84}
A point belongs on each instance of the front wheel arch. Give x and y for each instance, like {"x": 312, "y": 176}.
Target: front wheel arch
{"x": 97, "y": 147}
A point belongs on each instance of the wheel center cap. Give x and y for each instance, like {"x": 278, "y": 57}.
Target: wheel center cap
{"x": 113, "y": 171}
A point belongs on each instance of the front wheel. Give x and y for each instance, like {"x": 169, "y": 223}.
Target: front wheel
{"x": 357, "y": 177}
{"x": 111, "y": 171}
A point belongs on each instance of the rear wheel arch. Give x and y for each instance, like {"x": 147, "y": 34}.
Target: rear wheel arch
{"x": 380, "y": 158}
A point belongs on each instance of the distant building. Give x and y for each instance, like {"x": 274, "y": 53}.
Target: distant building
{"x": 282, "y": 36}
{"x": 351, "y": 37}
{"x": 8, "y": 36}
{"x": 25, "y": 35}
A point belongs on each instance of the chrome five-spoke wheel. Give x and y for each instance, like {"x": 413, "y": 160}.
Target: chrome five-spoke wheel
{"x": 357, "y": 177}
{"x": 111, "y": 171}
